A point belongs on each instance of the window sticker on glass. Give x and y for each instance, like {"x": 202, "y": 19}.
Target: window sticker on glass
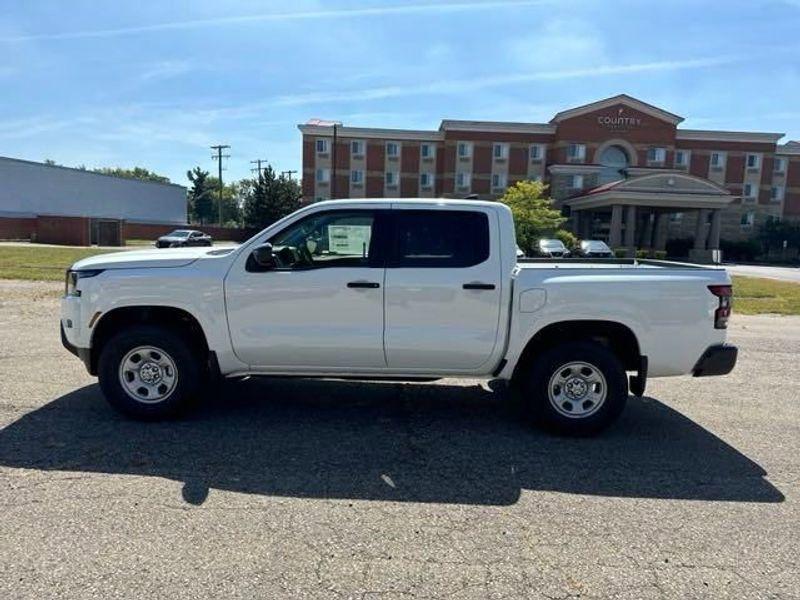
{"x": 349, "y": 239}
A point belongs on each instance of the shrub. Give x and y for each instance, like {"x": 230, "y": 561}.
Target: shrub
{"x": 746, "y": 250}
{"x": 567, "y": 238}
{"x": 679, "y": 247}
{"x": 657, "y": 254}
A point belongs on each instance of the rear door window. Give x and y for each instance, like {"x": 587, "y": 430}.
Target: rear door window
{"x": 439, "y": 238}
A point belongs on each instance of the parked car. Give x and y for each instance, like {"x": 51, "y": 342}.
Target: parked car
{"x": 184, "y": 237}
{"x": 400, "y": 289}
{"x": 552, "y": 249}
{"x": 594, "y": 249}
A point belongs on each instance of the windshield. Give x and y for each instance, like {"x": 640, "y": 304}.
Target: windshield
{"x": 180, "y": 233}
{"x": 594, "y": 245}
{"x": 551, "y": 244}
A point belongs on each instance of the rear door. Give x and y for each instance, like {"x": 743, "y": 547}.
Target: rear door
{"x": 443, "y": 289}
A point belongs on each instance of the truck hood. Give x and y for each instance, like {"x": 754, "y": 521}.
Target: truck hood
{"x": 142, "y": 259}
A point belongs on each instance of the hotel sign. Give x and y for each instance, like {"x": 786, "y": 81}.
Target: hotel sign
{"x": 619, "y": 121}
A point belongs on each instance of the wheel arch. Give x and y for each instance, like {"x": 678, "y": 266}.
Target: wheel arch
{"x": 176, "y": 319}
{"x": 619, "y": 338}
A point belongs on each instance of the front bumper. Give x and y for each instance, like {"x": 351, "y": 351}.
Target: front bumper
{"x": 85, "y": 354}
{"x": 716, "y": 360}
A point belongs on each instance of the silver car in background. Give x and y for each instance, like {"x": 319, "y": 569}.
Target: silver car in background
{"x": 552, "y": 248}
{"x": 595, "y": 249}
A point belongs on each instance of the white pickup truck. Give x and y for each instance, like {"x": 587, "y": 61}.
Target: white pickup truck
{"x": 394, "y": 289}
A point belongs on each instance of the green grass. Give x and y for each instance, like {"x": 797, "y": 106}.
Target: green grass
{"x": 755, "y": 295}
{"x": 40, "y": 263}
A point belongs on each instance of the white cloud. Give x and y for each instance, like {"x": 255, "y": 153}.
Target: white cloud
{"x": 166, "y": 69}
{"x": 379, "y": 11}
{"x": 454, "y": 86}
{"x": 567, "y": 43}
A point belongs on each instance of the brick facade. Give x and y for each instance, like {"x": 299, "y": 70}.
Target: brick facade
{"x": 643, "y": 132}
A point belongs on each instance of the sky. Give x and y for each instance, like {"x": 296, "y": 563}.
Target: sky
{"x": 155, "y": 83}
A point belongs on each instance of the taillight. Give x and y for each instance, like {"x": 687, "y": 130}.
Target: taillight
{"x": 723, "y": 312}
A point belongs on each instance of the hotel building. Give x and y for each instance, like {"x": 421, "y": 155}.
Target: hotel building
{"x": 621, "y": 169}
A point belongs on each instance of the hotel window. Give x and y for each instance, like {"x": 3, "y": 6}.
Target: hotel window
{"x": 751, "y": 190}
{"x": 392, "y": 149}
{"x": 426, "y": 180}
{"x": 681, "y": 158}
{"x": 576, "y": 183}
{"x": 357, "y": 177}
{"x": 323, "y": 175}
{"x": 537, "y": 152}
{"x": 776, "y": 193}
{"x": 391, "y": 178}
{"x": 498, "y": 180}
{"x": 718, "y": 160}
{"x": 357, "y": 148}
{"x": 322, "y": 146}
{"x": 748, "y": 219}
{"x": 576, "y": 152}
{"x": 462, "y": 179}
{"x": 464, "y": 149}
{"x": 656, "y": 155}
{"x": 427, "y": 150}
{"x": 753, "y": 161}
{"x": 780, "y": 165}
{"x": 500, "y": 151}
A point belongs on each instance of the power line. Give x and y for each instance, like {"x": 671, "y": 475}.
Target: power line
{"x": 218, "y": 157}
{"x": 257, "y": 169}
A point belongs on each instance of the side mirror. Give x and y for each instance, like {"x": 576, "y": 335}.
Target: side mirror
{"x": 263, "y": 256}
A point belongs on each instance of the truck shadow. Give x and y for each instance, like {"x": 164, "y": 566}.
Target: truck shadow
{"x": 384, "y": 441}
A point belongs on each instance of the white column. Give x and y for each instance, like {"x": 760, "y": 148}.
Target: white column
{"x": 700, "y": 232}
{"x": 615, "y": 235}
{"x": 716, "y": 225}
{"x": 630, "y": 227}
{"x": 659, "y": 232}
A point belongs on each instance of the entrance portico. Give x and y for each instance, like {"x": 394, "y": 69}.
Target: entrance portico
{"x": 638, "y": 209}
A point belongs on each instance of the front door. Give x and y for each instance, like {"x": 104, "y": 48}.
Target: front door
{"x": 443, "y": 289}
{"x": 321, "y": 307}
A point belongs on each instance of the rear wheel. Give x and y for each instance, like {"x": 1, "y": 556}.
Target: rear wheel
{"x": 149, "y": 372}
{"x": 576, "y": 388}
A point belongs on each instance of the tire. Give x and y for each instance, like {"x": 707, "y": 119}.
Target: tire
{"x": 575, "y": 388}
{"x": 163, "y": 375}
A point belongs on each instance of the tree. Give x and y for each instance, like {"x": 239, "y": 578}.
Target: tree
{"x": 269, "y": 198}
{"x": 139, "y": 173}
{"x": 231, "y": 202}
{"x": 200, "y": 196}
{"x": 534, "y": 215}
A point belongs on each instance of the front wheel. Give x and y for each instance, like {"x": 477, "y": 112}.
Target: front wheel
{"x": 576, "y": 388}
{"x": 149, "y": 372}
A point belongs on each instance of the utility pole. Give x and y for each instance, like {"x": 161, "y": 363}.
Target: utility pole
{"x": 333, "y": 161}
{"x": 218, "y": 157}
{"x": 289, "y": 173}
{"x": 257, "y": 168}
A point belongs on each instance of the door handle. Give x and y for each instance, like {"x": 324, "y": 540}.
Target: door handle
{"x": 478, "y": 286}
{"x": 363, "y": 284}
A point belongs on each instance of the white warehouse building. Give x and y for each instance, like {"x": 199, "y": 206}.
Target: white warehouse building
{"x": 65, "y": 205}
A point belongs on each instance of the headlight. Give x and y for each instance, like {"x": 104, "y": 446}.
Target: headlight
{"x": 71, "y": 283}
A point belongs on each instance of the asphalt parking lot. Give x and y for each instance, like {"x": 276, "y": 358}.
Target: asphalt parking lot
{"x": 304, "y": 489}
